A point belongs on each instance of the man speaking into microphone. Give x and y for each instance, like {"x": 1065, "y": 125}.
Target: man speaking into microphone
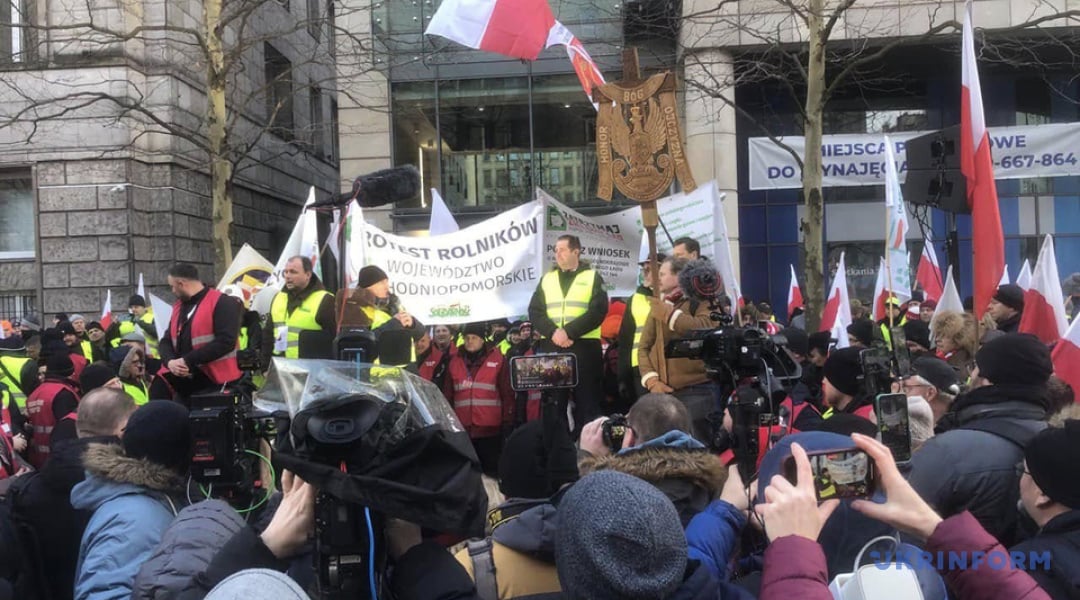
{"x": 567, "y": 308}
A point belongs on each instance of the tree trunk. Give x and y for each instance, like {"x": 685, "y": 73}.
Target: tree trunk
{"x": 812, "y": 173}
{"x": 220, "y": 167}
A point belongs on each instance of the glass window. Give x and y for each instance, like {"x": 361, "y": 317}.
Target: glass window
{"x": 279, "y": 96}
{"x": 415, "y": 137}
{"x": 1033, "y": 107}
{"x": 16, "y": 215}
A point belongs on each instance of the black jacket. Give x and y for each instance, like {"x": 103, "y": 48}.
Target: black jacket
{"x": 1061, "y": 538}
{"x": 966, "y": 469}
{"x": 41, "y": 501}
{"x": 593, "y": 317}
{"x": 1010, "y": 325}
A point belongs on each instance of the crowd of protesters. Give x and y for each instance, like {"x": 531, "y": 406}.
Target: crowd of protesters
{"x": 96, "y": 451}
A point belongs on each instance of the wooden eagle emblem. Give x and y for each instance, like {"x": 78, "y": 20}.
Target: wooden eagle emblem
{"x": 638, "y": 144}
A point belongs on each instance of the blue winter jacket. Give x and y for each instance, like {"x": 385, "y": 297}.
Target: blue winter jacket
{"x": 131, "y": 511}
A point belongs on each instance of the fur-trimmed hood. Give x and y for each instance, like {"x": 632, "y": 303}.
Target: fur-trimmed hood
{"x": 957, "y": 327}
{"x": 108, "y": 462}
{"x": 689, "y": 478}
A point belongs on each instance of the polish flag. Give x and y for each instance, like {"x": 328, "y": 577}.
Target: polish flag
{"x": 978, "y": 168}
{"x": 588, "y": 73}
{"x": 928, "y": 274}
{"x": 950, "y": 296}
{"x": 1066, "y": 356}
{"x": 1024, "y": 278}
{"x": 106, "y": 310}
{"x": 517, "y": 28}
{"x": 880, "y": 293}
{"x": 837, "y": 315}
{"x": 1044, "y": 304}
{"x": 794, "y": 295}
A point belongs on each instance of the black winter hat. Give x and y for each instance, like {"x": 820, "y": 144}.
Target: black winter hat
{"x": 1051, "y": 456}
{"x": 937, "y": 373}
{"x": 59, "y": 363}
{"x": 523, "y": 464}
{"x": 66, "y": 328}
{"x": 369, "y": 276}
{"x": 843, "y": 369}
{"x": 159, "y": 432}
{"x": 479, "y": 329}
{"x": 798, "y": 342}
{"x": 1011, "y": 295}
{"x": 94, "y": 325}
{"x": 136, "y": 300}
{"x": 918, "y": 332}
{"x": 95, "y": 375}
{"x": 1015, "y": 358}
{"x": 820, "y": 341}
{"x": 862, "y": 330}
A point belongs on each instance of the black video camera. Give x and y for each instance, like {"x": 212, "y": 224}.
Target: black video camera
{"x": 225, "y": 434}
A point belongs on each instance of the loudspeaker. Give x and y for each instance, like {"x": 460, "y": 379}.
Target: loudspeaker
{"x": 933, "y": 171}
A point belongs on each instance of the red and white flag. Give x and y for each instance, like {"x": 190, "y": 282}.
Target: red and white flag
{"x": 106, "y": 310}
{"x": 1044, "y": 304}
{"x": 587, "y": 72}
{"x": 1024, "y": 278}
{"x": 978, "y": 168}
{"x": 880, "y": 293}
{"x": 928, "y": 275}
{"x": 517, "y": 28}
{"x": 1066, "y": 355}
{"x": 837, "y": 315}
{"x": 794, "y": 295}
{"x": 950, "y": 296}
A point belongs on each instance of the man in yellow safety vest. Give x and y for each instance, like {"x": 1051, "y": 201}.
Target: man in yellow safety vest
{"x": 633, "y": 323}
{"x": 302, "y": 312}
{"x": 567, "y": 309}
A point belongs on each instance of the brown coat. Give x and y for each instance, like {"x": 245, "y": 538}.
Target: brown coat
{"x": 681, "y": 372}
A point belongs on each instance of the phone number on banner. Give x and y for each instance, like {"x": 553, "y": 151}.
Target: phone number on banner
{"x": 1026, "y": 161}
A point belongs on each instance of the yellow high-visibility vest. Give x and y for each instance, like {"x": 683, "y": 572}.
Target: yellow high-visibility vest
{"x": 11, "y": 374}
{"x": 301, "y": 319}
{"x": 563, "y": 309}
{"x": 639, "y": 310}
{"x": 138, "y": 391}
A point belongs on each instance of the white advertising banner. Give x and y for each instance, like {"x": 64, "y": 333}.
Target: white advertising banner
{"x": 486, "y": 271}
{"x": 859, "y": 159}
{"x": 609, "y": 243}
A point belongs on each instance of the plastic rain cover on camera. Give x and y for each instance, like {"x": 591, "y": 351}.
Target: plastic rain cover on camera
{"x": 379, "y": 437}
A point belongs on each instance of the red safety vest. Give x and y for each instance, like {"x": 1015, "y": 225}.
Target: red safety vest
{"x": 221, "y": 370}
{"x": 79, "y": 362}
{"x": 40, "y": 414}
{"x": 864, "y": 411}
{"x": 476, "y": 395}
{"x": 427, "y": 367}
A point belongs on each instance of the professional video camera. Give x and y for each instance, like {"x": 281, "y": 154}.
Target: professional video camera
{"x": 378, "y": 443}
{"x": 225, "y": 434}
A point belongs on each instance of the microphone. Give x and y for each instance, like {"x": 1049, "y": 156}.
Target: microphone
{"x": 700, "y": 280}
{"x": 387, "y": 186}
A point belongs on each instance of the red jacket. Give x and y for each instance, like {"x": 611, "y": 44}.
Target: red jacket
{"x": 480, "y": 392}
{"x": 39, "y": 411}
{"x": 795, "y": 567}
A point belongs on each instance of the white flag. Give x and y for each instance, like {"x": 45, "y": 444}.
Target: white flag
{"x": 898, "y": 280}
{"x": 442, "y": 220}
{"x": 162, "y": 315}
{"x": 950, "y": 297}
{"x": 141, "y": 290}
{"x": 303, "y": 241}
{"x": 724, "y": 264}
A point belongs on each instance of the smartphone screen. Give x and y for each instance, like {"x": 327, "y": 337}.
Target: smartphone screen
{"x": 901, "y": 352}
{"x": 543, "y": 371}
{"x": 847, "y": 473}
{"x": 894, "y": 426}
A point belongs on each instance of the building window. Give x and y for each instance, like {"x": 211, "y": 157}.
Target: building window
{"x": 1034, "y": 107}
{"x": 314, "y": 24}
{"x": 335, "y": 132}
{"x": 318, "y": 133}
{"x": 279, "y": 93}
{"x": 17, "y": 231}
{"x": 13, "y": 36}
{"x": 15, "y": 304}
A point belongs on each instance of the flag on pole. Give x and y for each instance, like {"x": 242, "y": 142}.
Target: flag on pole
{"x": 724, "y": 263}
{"x": 303, "y": 241}
{"x": 794, "y": 295}
{"x": 141, "y": 289}
{"x": 880, "y": 293}
{"x": 1066, "y": 356}
{"x": 837, "y": 315}
{"x": 517, "y": 28}
{"x": 928, "y": 275}
{"x": 1024, "y": 278}
{"x": 334, "y": 239}
{"x": 950, "y": 296}
{"x": 1004, "y": 277}
{"x": 898, "y": 268}
{"x": 1044, "y": 304}
{"x": 106, "y": 311}
{"x": 977, "y": 166}
{"x": 354, "y": 243}
{"x": 162, "y": 315}
{"x": 588, "y": 73}
{"x": 442, "y": 220}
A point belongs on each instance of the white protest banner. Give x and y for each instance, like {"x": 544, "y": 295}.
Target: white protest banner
{"x": 486, "y": 271}
{"x": 859, "y": 159}
{"x": 608, "y": 242}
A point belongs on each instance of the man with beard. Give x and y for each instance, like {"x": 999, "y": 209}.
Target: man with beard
{"x": 198, "y": 351}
